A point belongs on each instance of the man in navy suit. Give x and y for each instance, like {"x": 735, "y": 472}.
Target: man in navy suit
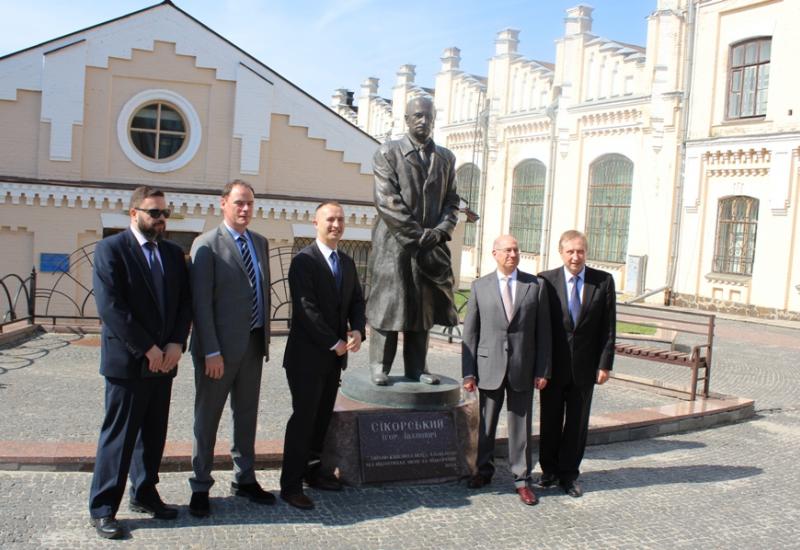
{"x": 141, "y": 287}
{"x": 583, "y": 320}
{"x": 328, "y": 321}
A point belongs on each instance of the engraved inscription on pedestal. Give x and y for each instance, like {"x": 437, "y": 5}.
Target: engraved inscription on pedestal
{"x": 410, "y": 445}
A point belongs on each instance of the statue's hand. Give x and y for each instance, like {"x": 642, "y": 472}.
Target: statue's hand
{"x": 429, "y": 239}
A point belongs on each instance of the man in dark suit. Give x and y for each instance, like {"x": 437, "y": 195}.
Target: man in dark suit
{"x": 142, "y": 292}
{"x": 583, "y": 313}
{"x": 230, "y": 342}
{"x": 327, "y": 322}
{"x": 505, "y": 351}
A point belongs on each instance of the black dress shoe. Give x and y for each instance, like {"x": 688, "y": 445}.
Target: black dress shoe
{"x": 298, "y": 500}
{"x": 155, "y": 507}
{"x": 547, "y": 481}
{"x": 478, "y": 480}
{"x": 573, "y": 489}
{"x": 324, "y": 482}
{"x": 199, "y": 506}
{"x": 254, "y": 492}
{"x": 108, "y": 528}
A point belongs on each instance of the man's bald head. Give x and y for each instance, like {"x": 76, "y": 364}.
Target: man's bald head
{"x": 419, "y": 118}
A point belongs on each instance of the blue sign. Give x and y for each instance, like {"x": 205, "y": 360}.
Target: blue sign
{"x": 53, "y": 263}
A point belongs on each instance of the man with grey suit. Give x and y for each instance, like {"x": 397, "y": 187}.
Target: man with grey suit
{"x": 230, "y": 342}
{"x": 506, "y": 351}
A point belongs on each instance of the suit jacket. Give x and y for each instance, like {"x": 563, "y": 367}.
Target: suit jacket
{"x": 222, "y": 297}
{"x": 321, "y": 314}
{"x": 583, "y": 349}
{"x": 127, "y": 304}
{"x": 493, "y": 347}
{"x": 409, "y": 200}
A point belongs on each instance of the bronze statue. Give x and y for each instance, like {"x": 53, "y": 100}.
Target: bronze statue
{"x": 411, "y": 277}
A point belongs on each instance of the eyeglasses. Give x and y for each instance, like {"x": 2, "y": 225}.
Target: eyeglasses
{"x": 155, "y": 213}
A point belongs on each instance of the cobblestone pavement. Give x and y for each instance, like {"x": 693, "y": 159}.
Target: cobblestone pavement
{"x": 729, "y": 487}
{"x": 51, "y": 391}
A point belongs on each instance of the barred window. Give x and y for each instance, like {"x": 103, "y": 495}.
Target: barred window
{"x": 468, "y": 179}
{"x": 527, "y": 203}
{"x": 608, "y": 211}
{"x": 748, "y": 78}
{"x": 735, "y": 248}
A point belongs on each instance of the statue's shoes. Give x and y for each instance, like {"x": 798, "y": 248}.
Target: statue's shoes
{"x": 380, "y": 379}
{"x": 427, "y": 378}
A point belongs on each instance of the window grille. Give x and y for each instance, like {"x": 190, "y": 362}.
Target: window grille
{"x": 735, "y": 244}
{"x": 527, "y": 204}
{"x": 608, "y": 212}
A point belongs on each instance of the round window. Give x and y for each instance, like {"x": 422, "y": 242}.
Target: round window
{"x": 158, "y": 131}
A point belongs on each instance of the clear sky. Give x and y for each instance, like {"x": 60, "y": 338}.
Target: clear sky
{"x": 323, "y": 45}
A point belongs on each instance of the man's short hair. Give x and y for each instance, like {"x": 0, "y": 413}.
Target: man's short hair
{"x": 144, "y": 192}
{"x": 326, "y": 203}
{"x": 231, "y": 184}
{"x": 572, "y": 234}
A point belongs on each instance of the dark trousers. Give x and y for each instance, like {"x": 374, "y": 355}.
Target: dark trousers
{"x": 313, "y": 398}
{"x": 383, "y": 348}
{"x": 564, "y": 425}
{"x": 132, "y": 438}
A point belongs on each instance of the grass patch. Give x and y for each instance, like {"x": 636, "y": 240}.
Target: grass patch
{"x": 634, "y": 328}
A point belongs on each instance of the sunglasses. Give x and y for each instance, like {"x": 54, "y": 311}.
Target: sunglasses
{"x": 154, "y": 213}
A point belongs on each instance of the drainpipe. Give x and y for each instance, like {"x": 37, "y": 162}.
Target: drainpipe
{"x": 672, "y": 265}
{"x": 552, "y": 114}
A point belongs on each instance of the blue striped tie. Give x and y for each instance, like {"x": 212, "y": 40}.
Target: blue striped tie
{"x": 251, "y": 274}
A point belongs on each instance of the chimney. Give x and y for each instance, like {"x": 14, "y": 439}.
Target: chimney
{"x": 506, "y": 42}
{"x": 451, "y": 59}
{"x": 578, "y": 20}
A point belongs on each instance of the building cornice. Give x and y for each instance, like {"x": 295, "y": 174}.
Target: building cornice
{"x": 116, "y": 196}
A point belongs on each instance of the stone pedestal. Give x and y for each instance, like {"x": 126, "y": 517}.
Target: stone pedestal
{"x": 412, "y": 420}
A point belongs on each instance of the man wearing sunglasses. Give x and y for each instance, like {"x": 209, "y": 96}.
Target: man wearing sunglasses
{"x": 141, "y": 287}
{"x": 230, "y": 342}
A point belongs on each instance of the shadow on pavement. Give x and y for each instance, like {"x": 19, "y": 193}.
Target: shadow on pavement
{"x": 645, "y": 448}
{"x": 21, "y": 355}
{"x": 349, "y": 507}
{"x": 625, "y": 478}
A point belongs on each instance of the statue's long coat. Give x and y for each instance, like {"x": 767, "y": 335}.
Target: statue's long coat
{"x": 408, "y": 201}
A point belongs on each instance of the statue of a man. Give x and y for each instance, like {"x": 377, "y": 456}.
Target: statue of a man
{"x": 411, "y": 277}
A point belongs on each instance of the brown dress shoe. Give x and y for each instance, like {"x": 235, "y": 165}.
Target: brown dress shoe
{"x": 298, "y": 500}
{"x": 527, "y": 496}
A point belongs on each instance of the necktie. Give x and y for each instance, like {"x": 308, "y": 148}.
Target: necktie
{"x": 423, "y": 156}
{"x": 337, "y": 272}
{"x": 156, "y": 274}
{"x": 574, "y": 300}
{"x": 251, "y": 274}
{"x": 508, "y": 301}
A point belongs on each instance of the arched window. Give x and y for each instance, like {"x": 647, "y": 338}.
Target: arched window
{"x": 527, "y": 203}
{"x": 748, "y": 78}
{"x": 735, "y": 245}
{"x": 468, "y": 179}
{"x": 608, "y": 212}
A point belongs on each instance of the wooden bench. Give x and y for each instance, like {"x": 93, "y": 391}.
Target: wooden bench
{"x": 666, "y": 346}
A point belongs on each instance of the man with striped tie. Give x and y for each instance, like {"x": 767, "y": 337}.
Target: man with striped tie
{"x": 230, "y": 342}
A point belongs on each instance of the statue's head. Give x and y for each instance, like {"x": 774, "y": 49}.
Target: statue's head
{"x": 419, "y": 118}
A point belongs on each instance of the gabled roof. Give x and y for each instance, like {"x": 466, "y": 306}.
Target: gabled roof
{"x": 23, "y": 69}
